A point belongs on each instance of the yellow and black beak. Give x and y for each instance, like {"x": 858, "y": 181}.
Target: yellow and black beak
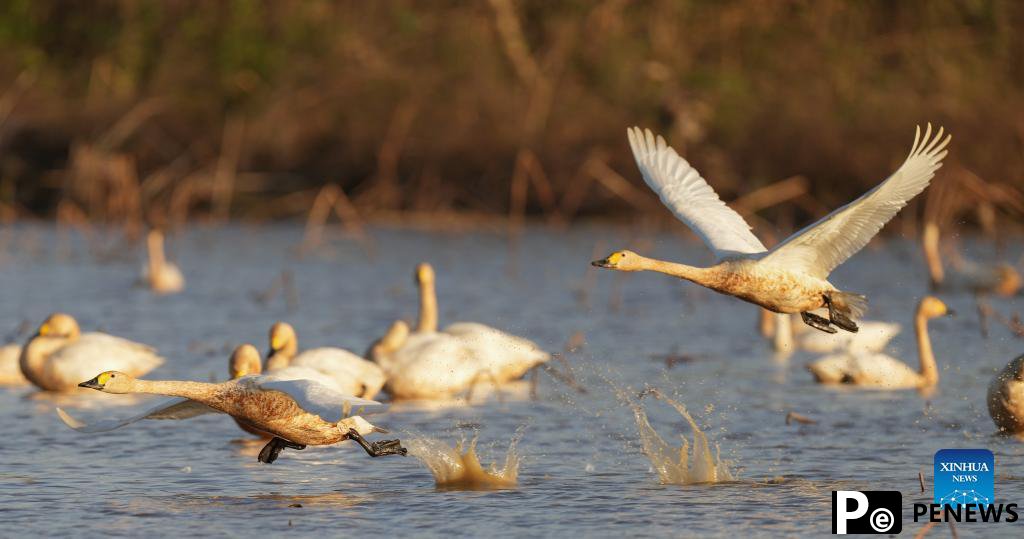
{"x": 950, "y": 312}
{"x": 603, "y": 263}
{"x": 92, "y": 384}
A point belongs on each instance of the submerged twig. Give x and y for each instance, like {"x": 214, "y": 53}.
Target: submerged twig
{"x": 792, "y": 417}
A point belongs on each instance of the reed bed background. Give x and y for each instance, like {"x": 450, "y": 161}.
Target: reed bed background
{"x": 139, "y": 113}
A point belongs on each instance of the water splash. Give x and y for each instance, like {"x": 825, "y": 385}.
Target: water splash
{"x": 458, "y": 468}
{"x": 679, "y": 465}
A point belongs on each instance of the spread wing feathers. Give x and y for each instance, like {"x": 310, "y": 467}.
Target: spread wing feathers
{"x": 316, "y": 398}
{"x": 176, "y": 408}
{"x": 690, "y": 198}
{"x": 819, "y": 248}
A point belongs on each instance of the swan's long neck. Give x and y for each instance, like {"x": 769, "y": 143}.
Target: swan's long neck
{"x": 197, "y": 391}
{"x": 929, "y": 370}
{"x": 930, "y": 244}
{"x": 34, "y": 355}
{"x": 155, "y": 246}
{"x": 701, "y": 276}
{"x": 278, "y": 360}
{"x": 428, "y": 307}
{"x": 783, "y": 338}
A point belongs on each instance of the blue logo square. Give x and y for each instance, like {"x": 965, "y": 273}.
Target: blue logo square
{"x": 964, "y": 476}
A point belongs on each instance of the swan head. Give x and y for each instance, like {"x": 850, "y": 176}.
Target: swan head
{"x": 424, "y": 273}
{"x": 933, "y": 307}
{"x": 621, "y": 260}
{"x": 283, "y": 340}
{"x": 110, "y": 382}
{"x": 1008, "y": 280}
{"x": 245, "y": 360}
{"x": 362, "y": 426}
{"x": 59, "y": 325}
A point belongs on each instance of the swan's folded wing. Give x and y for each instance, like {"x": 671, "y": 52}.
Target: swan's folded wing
{"x": 819, "y": 248}
{"x": 177, "y": 408}
{"x": 690, "y": 198}
{"x": 315, "y": 397}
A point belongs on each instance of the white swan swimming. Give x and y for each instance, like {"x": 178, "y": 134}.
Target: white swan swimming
{"x": 507, "y": 357}
{"x": 792, "y": 277}
{"x": 352, "y": 374}
{"x": 161, "y": 276}
{"x": 878, "y": 370}
{"x": 1006, "y": 398}
{"x": 10, "y": 367}
{"x": 429, "y": 364}
{"x": 59, "y": 356}
{"x": 297, "y": 412}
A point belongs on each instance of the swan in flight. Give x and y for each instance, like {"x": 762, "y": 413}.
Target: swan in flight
{"x": 1006, "y": 398}
{"x": 352, "y": 374}
{"x": 878, "y": 370}
{"x": 59, "y": 356}
{"x": 161, "y": 276}
{"x": 296, "y": 412}
{"x": 793, "y": 276}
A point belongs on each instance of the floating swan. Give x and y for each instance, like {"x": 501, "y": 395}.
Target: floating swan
{"x": 297, "y": 412}
{"x": 352, "y": 374}
{"x": 863, "y": 368}
{"x": 1000, "y": 279}
{"x": 58, "y": 357}
{"x": 1006, "y": 398}
{"x": 507, "y": 357}
{"x": 10, "y": 369}
{"x": 792, "y": 277}
{"x": 429, "y": 364}
{"x": 161, "y": 276}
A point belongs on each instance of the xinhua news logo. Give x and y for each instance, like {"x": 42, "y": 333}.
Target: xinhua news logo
{"x": 964, "y": 490}
{"x": 869, "y": 511}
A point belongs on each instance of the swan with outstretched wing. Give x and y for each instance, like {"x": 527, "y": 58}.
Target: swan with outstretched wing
{"x": 793, "y": 276}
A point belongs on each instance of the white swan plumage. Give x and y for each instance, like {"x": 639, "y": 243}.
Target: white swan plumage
{"x": 10, "y": 367}
{"x": 59, "y": 356}
{"x": 1006, "y": 398}
{"x": 350, "y": 374}
{"x": 865, "y": 368}
{"x": 161, "y": 275}
{"x": 791, "y": 277}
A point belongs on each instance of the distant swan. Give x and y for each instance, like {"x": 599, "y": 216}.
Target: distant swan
{"x": 161, "y": 276}
{"x": 1006, "y": 398}
{"x": 58, "y": 357}
{"x": 792, "y": 277}
{"x": 10, "y": 368}
{"x": 1001, "y": 279}
{"x": 431, "y": 364}
{"x": 879, "y": 370}
{"x": 352, "y": 374}
{"x": 297, "y": 412}
{"x": 506, "y": 356}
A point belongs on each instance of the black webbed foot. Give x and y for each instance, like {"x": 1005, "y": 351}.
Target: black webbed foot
{"x": 378, "y": 449}
{"x": 838, "y": 318}
{"x": 818, "y": 322}
{"x": 273, "y": 448}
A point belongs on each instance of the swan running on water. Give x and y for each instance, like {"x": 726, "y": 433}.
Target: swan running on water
{"x": 296, "y": 412}
{"x": 878, "y": 370}
{"x": 792, "y": 277}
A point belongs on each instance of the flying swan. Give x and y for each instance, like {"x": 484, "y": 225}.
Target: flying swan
{"x": 296, "y": 412}
{"x": 793, "y": 276}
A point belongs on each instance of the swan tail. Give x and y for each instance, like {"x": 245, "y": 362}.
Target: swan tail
{"x": 850, "y": 304}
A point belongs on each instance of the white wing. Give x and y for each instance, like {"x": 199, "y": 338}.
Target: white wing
{"x": 690, "y": 198}
{"x": 176, "y": 408}
{"x": 819, "y": 248}
{"x": 315, "y": 397}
